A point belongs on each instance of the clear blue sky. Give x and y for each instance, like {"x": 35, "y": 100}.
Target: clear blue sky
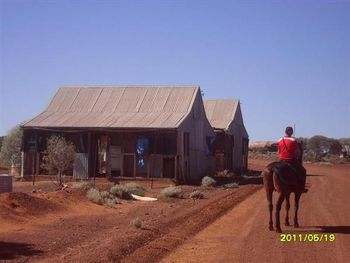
{"x": 287, "y": 61}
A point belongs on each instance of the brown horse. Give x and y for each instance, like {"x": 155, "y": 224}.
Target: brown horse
{"x": 282, "y": 178}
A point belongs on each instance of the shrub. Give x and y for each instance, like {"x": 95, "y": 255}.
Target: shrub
{"x": 108, "y": 199}
{"x": 103, "y": 197}
{"x": 11, "y": 147}
{"x": 136, "y": 222}
{"x": 121, "y": 192}
{"x": 84, "y": 186}
{"x": 231, "y": 185}
{"x": 171, "y": 191}
{"x": 95, "y": 196}
{"x": 106, "y": 195}
{"x": 196, "y": 195}
{"x": 208, "y": 181}
{"x": 58, "y": 156}
{"x": 110, "y": 202}
{"x": 135, "y": 189}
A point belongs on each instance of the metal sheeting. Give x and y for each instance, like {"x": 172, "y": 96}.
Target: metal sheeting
{"x": 80, "y": 167}
{"x": 117, "y": 107}
{"x": 220, "y": 113}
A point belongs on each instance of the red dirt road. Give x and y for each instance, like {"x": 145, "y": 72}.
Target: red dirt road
{"x": 242, "y": 235}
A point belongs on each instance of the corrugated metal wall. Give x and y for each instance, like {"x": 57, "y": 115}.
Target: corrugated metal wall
{"x": 198, "y": 127}
{"x": 80, "y": 168}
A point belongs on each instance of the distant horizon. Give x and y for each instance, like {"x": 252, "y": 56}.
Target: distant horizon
{"x": 287, "y": 62}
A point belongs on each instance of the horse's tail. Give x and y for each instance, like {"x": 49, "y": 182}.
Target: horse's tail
{"x": 267, "y": 175}
{"x": 274, "y": 175}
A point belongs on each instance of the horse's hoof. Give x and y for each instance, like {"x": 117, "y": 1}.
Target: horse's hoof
{"x": 271, "y": 228}
{"x": 278, "y": 230}
{"x": 286, "y": 224}
{"x": 296, "y": 225}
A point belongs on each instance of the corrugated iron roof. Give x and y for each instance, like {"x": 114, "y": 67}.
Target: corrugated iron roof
{"x": 117, "y": 107}
{"x": 220, "y": 113}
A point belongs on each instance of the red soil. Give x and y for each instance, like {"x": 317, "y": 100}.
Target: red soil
{"x": 65, "y": 226}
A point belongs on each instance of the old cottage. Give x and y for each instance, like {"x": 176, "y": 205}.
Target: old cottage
{"x": 231, "y": 141}
{"x": 129, "y": 131}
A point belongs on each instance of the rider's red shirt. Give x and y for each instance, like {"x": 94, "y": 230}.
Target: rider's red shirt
{"x": 288, "y": 148}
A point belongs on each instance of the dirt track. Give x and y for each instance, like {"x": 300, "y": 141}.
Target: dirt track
{"x": 67, "y": 232}
{"x": 242, "y": 235}
{"x": 227, "y": 226}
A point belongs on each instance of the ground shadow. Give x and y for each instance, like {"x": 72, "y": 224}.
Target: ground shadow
{"x": 321, "y": 229}
{"x": 315, "y": 175}
{"x": 334, "y": 229}
{"x": 251, "y": 180}
{"x": 12, "y": 250}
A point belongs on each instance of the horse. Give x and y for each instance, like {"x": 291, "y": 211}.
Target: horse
{"x": 281, "y": 177}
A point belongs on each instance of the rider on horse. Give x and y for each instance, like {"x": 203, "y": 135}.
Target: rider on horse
{"x": 290, "y": 152}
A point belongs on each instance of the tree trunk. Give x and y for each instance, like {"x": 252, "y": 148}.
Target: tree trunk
{"x": 60, "y": 178}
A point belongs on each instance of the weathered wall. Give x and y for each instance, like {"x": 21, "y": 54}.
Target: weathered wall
{"x": 198, "y": 126}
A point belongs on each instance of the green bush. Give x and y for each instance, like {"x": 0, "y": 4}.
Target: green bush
{"x": 171, "y": 191}
{"x": 135, "y": 189}
{"x": 196, "y": 195}
{"x": 120, "y": 191}
{"x": 94, "y": 195}
{"x": 208, "y": 181}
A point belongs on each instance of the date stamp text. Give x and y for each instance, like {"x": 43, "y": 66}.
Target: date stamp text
{"x": 316, "y": 237}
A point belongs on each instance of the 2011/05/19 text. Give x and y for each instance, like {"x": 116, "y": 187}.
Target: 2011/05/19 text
{"x": 317, "y": 237}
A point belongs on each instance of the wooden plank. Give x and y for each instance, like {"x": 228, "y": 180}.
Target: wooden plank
{"x": 36, "y": 169}
{"x": 89, "y": 155}
{"x": 22, "y": 162}
{"x": 122, "y": 165}
{"x": 175, "y": 167}
{"x": 162, "y": 168}
{"x": 148, "y": 165}
{"x": 134, "y": 165}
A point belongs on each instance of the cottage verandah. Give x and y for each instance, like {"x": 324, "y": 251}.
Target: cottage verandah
{"x": 132, "y": 131}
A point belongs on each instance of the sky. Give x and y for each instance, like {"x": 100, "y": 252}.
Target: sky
{"x": 288, "y": 62}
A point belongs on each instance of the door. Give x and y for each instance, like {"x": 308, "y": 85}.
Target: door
{"x": 102, "y": 158}
{"x": 115, "y": 153}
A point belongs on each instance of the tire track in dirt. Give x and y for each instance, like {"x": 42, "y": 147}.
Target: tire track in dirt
{"x": 189, "y": 226}
{"x": 242, "y": 236}
{"x": 112, "y": 239}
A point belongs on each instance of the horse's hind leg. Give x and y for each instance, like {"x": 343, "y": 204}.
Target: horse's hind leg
{"x": 277, "y": 212}
{"x": 269, "y": 193}
{"x": 268, "y": 185}
{"x": 286, "y": 221}
{"x": 296, "y": 203}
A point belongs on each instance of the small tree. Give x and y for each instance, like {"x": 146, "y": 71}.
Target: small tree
{"x": 321, "y": 146}
{"x": 11, "y": 147}
{"x": 59, "y": 156}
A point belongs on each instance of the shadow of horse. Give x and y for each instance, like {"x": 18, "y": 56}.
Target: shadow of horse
{"x": 334, "y": 229}
{"x": 323, "y": 229}
{"x": 12, "y": 250}
{"x": 315, "y": 175}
